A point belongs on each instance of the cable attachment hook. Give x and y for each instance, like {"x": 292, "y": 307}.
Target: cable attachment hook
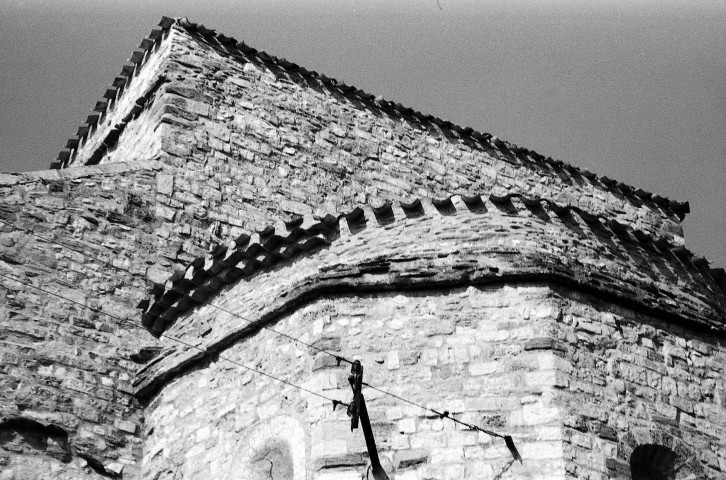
{"x": 356, "y": 382}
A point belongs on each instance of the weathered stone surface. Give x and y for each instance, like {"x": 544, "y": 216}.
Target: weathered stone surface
{"x": 370, "y": 326}
{"x": 294, "y": 139}
{"x": 64, "y": 365}
{"x": 468, "y": 275}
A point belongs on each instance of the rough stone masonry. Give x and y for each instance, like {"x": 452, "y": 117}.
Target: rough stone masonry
{"x": 223, "y": 212}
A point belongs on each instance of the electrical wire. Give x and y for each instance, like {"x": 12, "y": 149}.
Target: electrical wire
{"x": 128, "y": 322}
{"x": 338, "y": 358}
{"x": 509, "y": 442}
{"x": 442, "y": 415}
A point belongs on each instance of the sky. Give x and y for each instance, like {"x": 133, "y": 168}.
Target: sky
{"x": 635, "y": 90}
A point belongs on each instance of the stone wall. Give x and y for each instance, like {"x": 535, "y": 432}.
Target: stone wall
{"x": 495, "y": 246}
{"x": 634, "y": 379}
{"x": 456, "y": 243}
{"x": 66, "y": 369}
{"x": 479, "y": 353}
{"x": 578, "y": 382}
{"x": 121, "y": 126}
{"x": 212, "y": 140}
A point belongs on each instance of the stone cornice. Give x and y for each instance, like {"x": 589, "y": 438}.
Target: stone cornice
{"x": 463, "y": 242}
{"x": 248, "y": 254}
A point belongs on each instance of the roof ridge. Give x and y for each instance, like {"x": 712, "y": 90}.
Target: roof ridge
{"x": 207, "y": 275}
{"x": 230, "y": 45}
{"x": 114, "y": 93}
{"x": 464, "y": 133}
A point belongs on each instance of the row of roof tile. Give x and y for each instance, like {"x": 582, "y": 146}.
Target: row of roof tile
{"x": 248, "y": 254}
{"x": 231, "y": 46}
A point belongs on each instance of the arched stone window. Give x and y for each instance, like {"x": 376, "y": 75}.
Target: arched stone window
{"x": 272, "y": 462}
{"x": 657, "y": 462}
{"x": 272, "y": 450}
{"x": 653, "y": 462}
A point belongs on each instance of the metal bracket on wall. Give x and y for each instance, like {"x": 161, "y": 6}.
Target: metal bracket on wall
{"x": 357, "y": 411}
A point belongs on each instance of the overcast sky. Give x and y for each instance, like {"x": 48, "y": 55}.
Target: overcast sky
{"x": 635, "y": 90}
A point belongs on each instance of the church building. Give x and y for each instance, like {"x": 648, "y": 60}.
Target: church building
{"x": 241, "y": 269}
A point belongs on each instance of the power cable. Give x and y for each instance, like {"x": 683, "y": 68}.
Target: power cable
{"x": 442, "y": 415}
{"x": 124, "y": 321}
{"x": 445, "y": 414}
{"x": 338, "y": 358}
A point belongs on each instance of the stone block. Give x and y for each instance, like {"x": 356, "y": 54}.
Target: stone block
{"x": 446, "y": 455}
{"x": 393, "y": 360}
{"x": 329, "y": 448}
{"x": 338, "y": 474}
{"x": 484, "y": 368}
{"x": 126, "y": 426}
{"x": 407, "y": 425}
{"x": 165, "y": 184}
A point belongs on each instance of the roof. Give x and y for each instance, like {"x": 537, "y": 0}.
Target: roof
{"x": 230, "y": 46}
{"x": 612, "y": 258}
